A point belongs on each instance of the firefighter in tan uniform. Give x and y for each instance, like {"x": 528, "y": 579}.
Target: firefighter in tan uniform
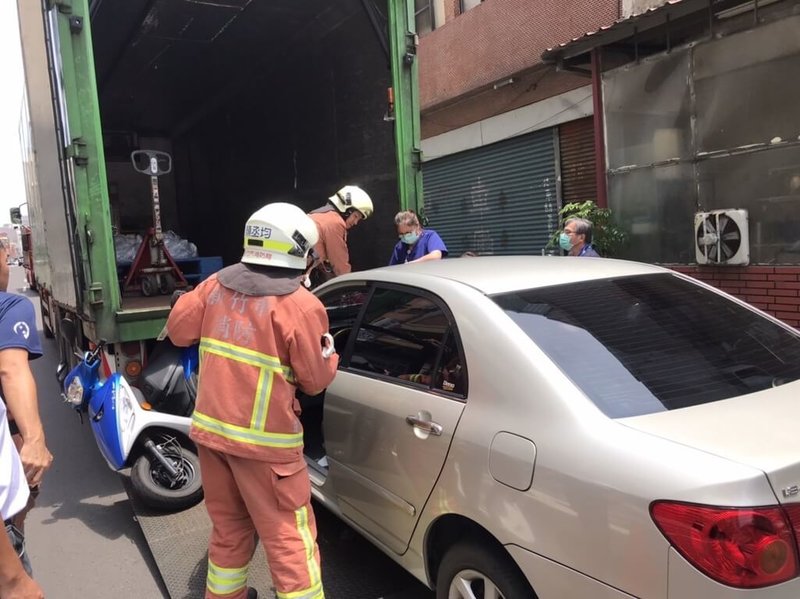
{"x": 261, "y": 335}
{"x": 344, "y": 210}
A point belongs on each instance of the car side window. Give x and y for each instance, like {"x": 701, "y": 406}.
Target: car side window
{"x": 451, "y": 375}
{"x": 405, "y": 335}
{"x": 400, "y": 335}
{"x": 343, "y": 306}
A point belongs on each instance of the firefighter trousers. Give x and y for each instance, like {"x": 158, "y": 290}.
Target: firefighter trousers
{"x": 244, "y": 497}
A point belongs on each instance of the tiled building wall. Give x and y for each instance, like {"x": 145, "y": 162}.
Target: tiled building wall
{"x": 497, "y": 39}
{"x": 774, "y": 289}
{"x": 452, "y": 9}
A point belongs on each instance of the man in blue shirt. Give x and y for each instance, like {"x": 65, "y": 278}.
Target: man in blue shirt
{"x": 576, "y": 239}
{"x": 19, "y": 343}
{"x": 416, "y": 244}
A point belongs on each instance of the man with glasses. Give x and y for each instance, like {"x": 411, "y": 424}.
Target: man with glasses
{"x": 576, "y": 239}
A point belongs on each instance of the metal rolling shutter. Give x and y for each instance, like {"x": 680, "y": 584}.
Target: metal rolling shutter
{"x": 499, "y": 199}
{"x": 576, "y": 145}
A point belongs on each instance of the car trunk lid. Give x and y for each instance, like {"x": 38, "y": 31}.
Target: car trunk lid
{"x": 759, "y": 430}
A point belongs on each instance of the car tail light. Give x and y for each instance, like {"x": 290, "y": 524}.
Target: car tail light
{"x": 794, "y": 517}
{"x": 739, "y": 547}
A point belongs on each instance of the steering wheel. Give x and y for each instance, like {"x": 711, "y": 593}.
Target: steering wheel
{"x": 340, "y": 337}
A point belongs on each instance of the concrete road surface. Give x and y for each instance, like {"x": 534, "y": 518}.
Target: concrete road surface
{"x": 82, "y": 536}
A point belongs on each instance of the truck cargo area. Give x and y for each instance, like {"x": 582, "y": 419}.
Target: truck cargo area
{"x": 256, "y": 102}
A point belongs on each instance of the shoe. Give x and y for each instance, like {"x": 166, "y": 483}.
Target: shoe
{"x": 252, "y": 593}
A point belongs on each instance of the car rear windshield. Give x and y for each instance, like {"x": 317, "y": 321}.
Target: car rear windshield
{"x": 644, "y": 344}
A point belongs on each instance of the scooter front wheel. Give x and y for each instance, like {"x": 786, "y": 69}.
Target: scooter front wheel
{"x": 158, "y": 489}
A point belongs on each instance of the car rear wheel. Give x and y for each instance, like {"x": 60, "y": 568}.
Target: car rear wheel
{"x": 477, "y": 571}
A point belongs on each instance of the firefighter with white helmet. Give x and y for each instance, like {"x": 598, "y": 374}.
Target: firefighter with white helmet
{"x": 344, "y": 210}
{"x": 262, "y": 335}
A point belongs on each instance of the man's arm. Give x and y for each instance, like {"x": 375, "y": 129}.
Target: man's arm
{"x": 19, "y": 392}
{"x": 396, "y": 259}
{"x": 14, "y": 582}
{"x": 185, "y": 320}
{"x": 434, "y": 255}
{"x": 313, "y": 372}
{"x": 338, "y": 254}
{"x": 435, "y": 249}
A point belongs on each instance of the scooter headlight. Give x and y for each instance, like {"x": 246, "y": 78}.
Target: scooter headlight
{"x": 127, "y": 415}
{"x": 74, "y": 395}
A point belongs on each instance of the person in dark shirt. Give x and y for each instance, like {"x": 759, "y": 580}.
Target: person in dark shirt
{"x": 416, "y": 244}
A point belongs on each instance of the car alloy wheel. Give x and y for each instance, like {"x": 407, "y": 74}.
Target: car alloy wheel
{"x": 480, "y": 569}
{"x": 471, "y": 584}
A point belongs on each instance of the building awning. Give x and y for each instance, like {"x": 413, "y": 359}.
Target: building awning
{"x": 630, "y": 27}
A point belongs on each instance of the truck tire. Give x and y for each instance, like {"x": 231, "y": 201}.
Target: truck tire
{"x": 45, "y": 314}
{"x": 166, "y": 284}
{"x": 48, "y": 332}
{"x": 153, "y": 486}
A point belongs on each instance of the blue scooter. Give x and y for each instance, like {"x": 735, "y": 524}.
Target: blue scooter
{"x": 146, "y": 429}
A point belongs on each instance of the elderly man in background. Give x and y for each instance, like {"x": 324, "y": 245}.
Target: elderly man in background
{"x": 576, "y": 239}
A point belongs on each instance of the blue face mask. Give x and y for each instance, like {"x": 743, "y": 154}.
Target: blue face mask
{"x": 409, "y": 238}
{"x": 564, "y": 242}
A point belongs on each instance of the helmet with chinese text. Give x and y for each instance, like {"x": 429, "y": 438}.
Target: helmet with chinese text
{"x": 280, "y": 235}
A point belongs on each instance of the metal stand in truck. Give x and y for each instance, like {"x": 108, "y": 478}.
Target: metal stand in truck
{"x": 153, "y": 268}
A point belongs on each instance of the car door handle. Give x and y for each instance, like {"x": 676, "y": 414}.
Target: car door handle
{"x": 427, "y": 426}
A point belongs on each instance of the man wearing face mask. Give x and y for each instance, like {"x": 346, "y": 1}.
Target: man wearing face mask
{"x": 576, "y": 238}
{"x": 416, "y": 244}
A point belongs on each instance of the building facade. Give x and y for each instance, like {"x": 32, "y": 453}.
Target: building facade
{"x": 507, "y": 139}
{"x": 702, "y": 140}
{"x": 679, "y": 115}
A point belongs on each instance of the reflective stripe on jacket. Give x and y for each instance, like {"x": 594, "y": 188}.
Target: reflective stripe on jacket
{"x": 254, "y": 352}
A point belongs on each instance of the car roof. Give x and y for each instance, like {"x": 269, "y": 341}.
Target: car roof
{"x": 498, "y": 274}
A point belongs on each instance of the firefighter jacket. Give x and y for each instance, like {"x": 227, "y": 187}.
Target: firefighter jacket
{"x": 260, "y": 338}
{"x": 332, "y": 244}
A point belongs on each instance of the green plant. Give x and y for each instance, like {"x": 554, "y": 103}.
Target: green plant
{"x": 607, "y": 238}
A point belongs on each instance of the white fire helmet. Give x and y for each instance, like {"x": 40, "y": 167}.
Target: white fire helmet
{"x": 280, "y": 235}
{"x": 352, "y": 197}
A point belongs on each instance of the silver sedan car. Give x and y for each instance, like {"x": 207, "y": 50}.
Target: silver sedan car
{"x": 562, "y": 428}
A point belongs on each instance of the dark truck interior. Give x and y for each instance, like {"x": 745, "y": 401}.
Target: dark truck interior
{"x": 256, "y": 101}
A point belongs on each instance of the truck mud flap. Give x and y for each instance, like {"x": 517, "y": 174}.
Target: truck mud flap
{"x": 351, "y": 567}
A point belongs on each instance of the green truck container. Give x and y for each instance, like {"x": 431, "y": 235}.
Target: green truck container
{"x": 255, "y": 100}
